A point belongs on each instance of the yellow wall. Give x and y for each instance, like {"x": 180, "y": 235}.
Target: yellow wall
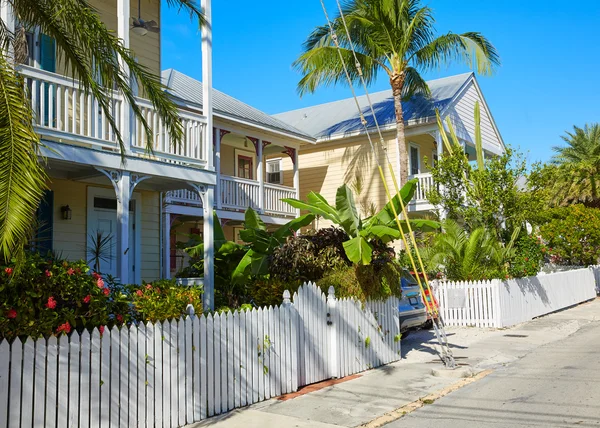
{"x": 69, "y": 236}
{"x": 146, "y": 48}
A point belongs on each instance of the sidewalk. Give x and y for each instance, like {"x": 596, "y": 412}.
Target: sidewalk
{"x": 376, "y": 392}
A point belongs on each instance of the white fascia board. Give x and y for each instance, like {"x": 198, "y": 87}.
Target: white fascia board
{"x": 96, "y": 158}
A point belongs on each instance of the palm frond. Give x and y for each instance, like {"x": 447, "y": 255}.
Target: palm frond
{"x": 23, "y": 177}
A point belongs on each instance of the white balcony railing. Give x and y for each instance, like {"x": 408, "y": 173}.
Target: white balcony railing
{"x": 424, "y": 184}
{"x": 239, "y": 194}
{"x": 273, "y": 196}
{"x": 65, "y": 112}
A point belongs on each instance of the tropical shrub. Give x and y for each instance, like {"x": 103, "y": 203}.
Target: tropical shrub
{"x": 48, "y": 296}
{"x": 364, "y": 281}
{"x": 164, "y": 299}
{"x": 362, "y": 233}
{"x": 528, "y": 257}
{"x": 572, "y": 235}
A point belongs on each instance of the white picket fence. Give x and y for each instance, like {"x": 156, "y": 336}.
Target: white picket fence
{"x": 181, "y": 371}
{"x": 499, "y": 303}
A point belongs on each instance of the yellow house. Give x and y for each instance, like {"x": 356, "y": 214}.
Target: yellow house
{"x": 343, "y": 153}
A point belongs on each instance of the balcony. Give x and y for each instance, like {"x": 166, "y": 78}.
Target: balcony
{"x": 237, "y": 194}
{"x": 67, "y": 114}
{"x": 424, "y": 184}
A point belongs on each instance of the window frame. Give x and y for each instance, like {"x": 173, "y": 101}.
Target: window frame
{"x": 278, "y": 161}
{"x": 410, "y": 165}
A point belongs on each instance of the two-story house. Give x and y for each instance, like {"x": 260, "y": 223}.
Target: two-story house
{"x": 342, "y": 153}
{"x": 228, "y": 160}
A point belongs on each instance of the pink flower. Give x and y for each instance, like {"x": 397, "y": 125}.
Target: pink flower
{"x": 119, "y": 318}
{"x": 100, "y": 283}
{"x": 66, "y": 327}
{"x": 101, "y": 329}
{"x": 148, "y": 286}
{"x": 139, "y": 293}
{"x": 106, "y": 291}
{"x": 95, "y": 275}
{"x": 11, "y": 314}
{"x": 51, "y": 303}
{"x": 48, "y": 273}
{"x": 70, "y": 271}
{"x": 87, "y": 299}
{"x": 8, "y": 271}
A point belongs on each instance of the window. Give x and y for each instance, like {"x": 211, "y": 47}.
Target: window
{"x": 414, "y": 160}
{"x": 274, "y": 173}
{"x": 244, "y": 167}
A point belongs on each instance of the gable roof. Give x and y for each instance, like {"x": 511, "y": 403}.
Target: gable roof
{"x": 340, "y": 118}
{"x": 189, "y": 90}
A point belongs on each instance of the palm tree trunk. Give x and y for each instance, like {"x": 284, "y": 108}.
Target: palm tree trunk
{"x": 397, "y": 82}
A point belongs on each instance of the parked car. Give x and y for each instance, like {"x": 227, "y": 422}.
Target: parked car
{"x": 412, "y": 311}
{"x": 430, "y": 300}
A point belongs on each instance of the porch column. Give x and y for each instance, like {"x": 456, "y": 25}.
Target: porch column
{"x": 207, "y": 96}
{"x": 296, "y": 177}
{"x": 260, "y": 176}
{"x": 440, "y": 153}
{"x": 8, "y": 18}
{"x": 218, "y": 136}
{"x": 123, "y": 199}
{"x": 166, "y": 246}
{"x": 123, "y": 23}
{"x": 209, "y": 249}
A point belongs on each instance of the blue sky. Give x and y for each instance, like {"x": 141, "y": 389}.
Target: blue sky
{"x": 549, "y": 79}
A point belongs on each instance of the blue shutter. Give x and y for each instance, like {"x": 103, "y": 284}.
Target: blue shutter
{"x": 45, "y": 217}
{"x": 47, "y": 53}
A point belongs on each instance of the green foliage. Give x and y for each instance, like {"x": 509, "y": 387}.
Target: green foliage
{"x": 528, "y": 257}
{"x": 49, "y": 296}
{"x": 363, "y": 232}
{"x": 572, "y": 234}
{"x": 464, "y": 256}
{"x": 163, "y": 300}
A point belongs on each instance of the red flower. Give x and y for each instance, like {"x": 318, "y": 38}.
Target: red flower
{"x": 101, "y": 329}
{"x": 148, "y": 286}
{"x": 119, "y": 318}
{"x": 11, "y": 314}
{"x": 100, "y": 283}
{"x": 139, "y": 293}
{"x": 87, "y": 299}
{"x": 66, "y": 327}
{"x": 48, "y": 273}
{"x": 106, "y": 291}
{"x": 8, "y": 271}
{"x": 51, "y": 303}
{"x": 95, "y": 275}
{"x": 70, "y": 271}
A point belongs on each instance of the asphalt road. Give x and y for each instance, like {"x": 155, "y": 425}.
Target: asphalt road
{"x": 557, "y": 385}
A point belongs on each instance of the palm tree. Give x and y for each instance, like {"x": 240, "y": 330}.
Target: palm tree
{"x": 392, "y": 36}
{"x": 577, "y": 167}
{"x": 91, "y": 53}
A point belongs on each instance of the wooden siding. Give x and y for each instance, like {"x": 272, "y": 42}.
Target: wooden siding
{"x": 69, "y": 236}
{"x": 461, "y": 114}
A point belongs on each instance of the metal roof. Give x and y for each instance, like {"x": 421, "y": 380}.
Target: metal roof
{"x": 341, "y": 117}
{"x": 188, "y": 89}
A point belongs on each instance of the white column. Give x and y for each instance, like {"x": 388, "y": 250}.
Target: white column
{"x": 166, "y": 246}
{"x": 440, "y": 152}
{"x": 123, "y": 23}
{"x": 8, "y": 18}
{"x": 123, "y": 189}
{"x": 261, "y": 176}
{"x": 296, "y": 177}
{"x": 207, "y": 105}
{"x": 218, "y": 167}
{"x": 209, "y": 249}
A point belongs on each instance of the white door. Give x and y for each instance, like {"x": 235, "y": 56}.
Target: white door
{"x": 102, "y": 219}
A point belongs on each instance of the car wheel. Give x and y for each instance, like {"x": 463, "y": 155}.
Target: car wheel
{"x": 428, "y": 325}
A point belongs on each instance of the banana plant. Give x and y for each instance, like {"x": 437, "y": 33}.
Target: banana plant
{"x": 381, "y": 226}
{"x": 261, "y": 243}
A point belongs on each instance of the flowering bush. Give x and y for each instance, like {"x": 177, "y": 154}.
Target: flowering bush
{"x": 527, "y": 258}
{"x": 164, "y": 299}
{"x": 572, "y": 235}
{"x": 52, "y": 297}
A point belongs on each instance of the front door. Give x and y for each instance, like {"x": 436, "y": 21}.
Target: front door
{"x": 102, "y": 230}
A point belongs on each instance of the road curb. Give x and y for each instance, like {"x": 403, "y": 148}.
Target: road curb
{"x": 428, "y": 399}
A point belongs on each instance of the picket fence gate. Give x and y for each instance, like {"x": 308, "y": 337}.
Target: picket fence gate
{"x": 506, "y": 303}
{"x": 178, "y": 372}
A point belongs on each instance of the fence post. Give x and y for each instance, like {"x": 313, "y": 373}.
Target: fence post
{"x": 496, "y": 283}
{"x": 332, "y": 333}
{"x": 293, "y": 348}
